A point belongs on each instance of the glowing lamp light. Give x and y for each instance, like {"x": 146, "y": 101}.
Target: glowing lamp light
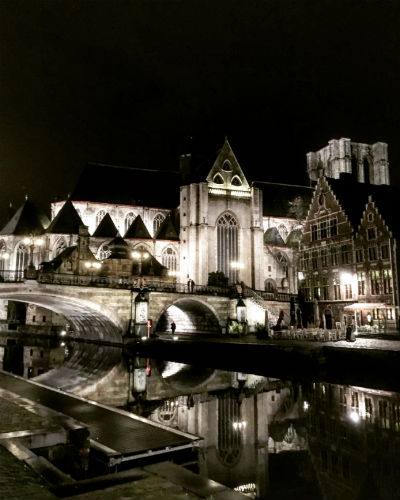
{"x": 239, "y": 426}
{"x": 346, "y": 278}
{"x": 300, "y": 275}
{"x": 355, "y": 417}
{"x": 139, "y": 255}
{"x": 144, "y": 338}
{"x": 63, "y": 333}
{"x": 175, "y": 337}
{"x": 237, "y": 265}
{"x": 306, "y": 405}
{"x": 5, "y": 255}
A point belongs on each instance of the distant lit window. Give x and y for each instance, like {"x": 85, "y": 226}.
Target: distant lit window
{"x": 60, "y": 247}
{"x": 100, "y": 216}
{"x": 130, "y": 217}
{"x": 283, "y": 231}
{"x": 103, "y": 252}
{"x": 227, "y": 245}
{"x": 169, "y": 259}
{"x": 21, "y": 258}
{"x": 157, "y": 221}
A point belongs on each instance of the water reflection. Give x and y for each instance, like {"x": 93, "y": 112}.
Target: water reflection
{"x": 265, "y": 437}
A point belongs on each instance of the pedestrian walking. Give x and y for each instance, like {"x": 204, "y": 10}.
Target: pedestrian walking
{"x": 173, "y": 327}
{"x": 190, "y": 285}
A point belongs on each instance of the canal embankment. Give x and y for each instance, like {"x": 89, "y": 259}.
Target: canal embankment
{"x": 367, "y": 362}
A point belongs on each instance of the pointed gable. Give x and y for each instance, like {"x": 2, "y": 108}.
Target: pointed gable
{"x": 119, "y": 248}
{"x": 273, "y": 237}
{"x": 27, "y": 219}
{"x": 137, "y": 230}
{"x": 226, "y": 173}
{"x": 106, "y": 228}
{"x": 167, "y": 230}
{"x": 67, "y": 221}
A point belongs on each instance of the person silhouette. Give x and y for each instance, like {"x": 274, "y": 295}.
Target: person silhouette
{"x": 173, "y": 327}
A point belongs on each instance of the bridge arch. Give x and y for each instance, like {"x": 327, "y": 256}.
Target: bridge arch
{"x": 88, "y": 320}
{"x": 191, "y": 315}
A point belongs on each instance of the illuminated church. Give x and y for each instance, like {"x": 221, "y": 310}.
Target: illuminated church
{"x": 207, "y": 220}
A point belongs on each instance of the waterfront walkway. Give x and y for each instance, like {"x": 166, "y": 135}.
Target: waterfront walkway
{"x": 24, "y": 415}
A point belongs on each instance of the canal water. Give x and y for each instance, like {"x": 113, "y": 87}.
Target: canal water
{"x": 265, "y": 437}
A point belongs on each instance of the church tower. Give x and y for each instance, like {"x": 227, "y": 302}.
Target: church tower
{"x": 221, "y": 225}
{"x": 367, "y": 163}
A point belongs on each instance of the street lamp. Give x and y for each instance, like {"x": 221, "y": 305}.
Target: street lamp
{"x": 92, "y": 266}
{"x": 241, "y": 311}
{"x": 140, "y": 256}
{"x": 32, "y": 242}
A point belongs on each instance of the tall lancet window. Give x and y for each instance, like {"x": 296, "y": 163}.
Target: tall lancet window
{"x": 21, "y": 258}
{"x": 227, "y": 246}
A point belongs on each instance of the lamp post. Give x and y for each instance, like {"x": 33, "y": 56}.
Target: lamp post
{"x": 141, "y": 301}
{"x": 140, "y": 256}
{"x": 92, "y": 266}
{"x": 32, "y": 243}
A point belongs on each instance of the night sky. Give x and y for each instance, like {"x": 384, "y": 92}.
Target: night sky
{"x": 140, "y": 82}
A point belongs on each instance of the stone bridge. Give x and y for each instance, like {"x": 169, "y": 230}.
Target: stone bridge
{"x": 107, "y": 314}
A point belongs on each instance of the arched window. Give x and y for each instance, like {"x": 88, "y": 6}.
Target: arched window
{"x": 226, "y": 166}
{"x": 4, "y": 256}
{"x": 169, "y": 259}
{"x": 218, "y": 179}
{"x": 103, "y": 252}
{"x": 157, "y": 221}
{"x": 270, "y": 286}
{"x": 282, "y": 261}
{"x": 21, "y": 261}
{"x": 236, "y": 181}
{"x": 283, "y": 231}
{"x": 229, "y": 429}
{"x": 129, "y": 218}
{"x": 60, "y": 247}
{"x": 227, "y": 246}
{"x": 99, "y": 217}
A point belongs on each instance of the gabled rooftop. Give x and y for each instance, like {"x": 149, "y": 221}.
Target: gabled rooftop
{"x": 26, "y": 220}
{"x": 138, "y": 230}
{"x": 168, "y": 229}
{"x": 67, "y": 221}
{"x": 106, "y": 228}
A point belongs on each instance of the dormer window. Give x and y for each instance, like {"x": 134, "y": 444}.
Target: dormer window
{"x": 226, "y": 166}
{"x": 218, "y": 179}
{"x": 236, "y": 181}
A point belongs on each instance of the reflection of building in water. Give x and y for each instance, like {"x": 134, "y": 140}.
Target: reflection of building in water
{"x": 39, "y": 359}
{"x": 235, "y": 424}
{"x": 354, "y": 440}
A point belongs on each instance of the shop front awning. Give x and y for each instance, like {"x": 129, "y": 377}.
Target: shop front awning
{"x": 361, "y": 306}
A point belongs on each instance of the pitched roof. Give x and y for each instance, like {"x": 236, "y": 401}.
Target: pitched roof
{"x": 353, "y": 197}
{"x": 67, "y": 221}
{"x": 278, "y": 198}
{"x": 119, "y": 248}
{"x": 273, "y": 237}
{"x": 106, "y": 228}
{"x": 130, "y": 186}
{"x": 27, "y": 219}
{"x": 168, "y": 230}
{"x": 137, "y": 229}
{"x": 54, "y": 264}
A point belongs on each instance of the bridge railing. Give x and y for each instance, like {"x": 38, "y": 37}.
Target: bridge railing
{"x": 12, "y": 276}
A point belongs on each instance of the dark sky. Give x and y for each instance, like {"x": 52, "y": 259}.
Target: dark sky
{"x": 141, "y": 82}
